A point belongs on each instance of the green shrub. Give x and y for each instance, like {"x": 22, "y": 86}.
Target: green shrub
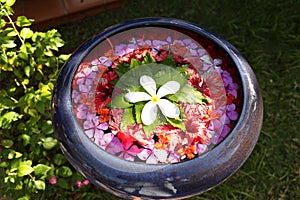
{"x": 31, "y": 163}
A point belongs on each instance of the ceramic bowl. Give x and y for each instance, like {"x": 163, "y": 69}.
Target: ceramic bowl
{"x": 157, "y": 108}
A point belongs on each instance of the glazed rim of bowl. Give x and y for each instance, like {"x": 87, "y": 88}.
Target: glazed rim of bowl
{"x": 218, "y": 164}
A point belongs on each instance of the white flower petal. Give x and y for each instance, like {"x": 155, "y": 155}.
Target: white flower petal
{"x": 161, "y": 155}
{"x": 134, "y": 97}
{"x": 168, "y": 108}
{"x": 171, "y": 87}
{"x": 148, "y": 84}
{"x": 149, "y": 113}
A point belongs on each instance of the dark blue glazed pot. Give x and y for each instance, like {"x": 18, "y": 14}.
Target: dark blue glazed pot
{"x": 159, "y": 181}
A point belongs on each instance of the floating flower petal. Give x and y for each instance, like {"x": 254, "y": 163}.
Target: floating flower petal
{"x": 134, "y": 97}
{"x": 168, "y": 108}
{"x": 149, "y": 113}
{"x": 171, "y": 87}
{"x": 148, "y": 84}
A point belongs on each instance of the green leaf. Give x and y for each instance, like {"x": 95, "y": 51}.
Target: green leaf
{"x": 8, "y": 9}
{"x": 33, "y": 112}
{"x": 26, "y": 33}
{"x": 138, "y": 107}
{"x": 4, "y": 60}
{"x": 5, "y": 102}
{"x": 4, "y": 164}
{"x": 47, "y": 127}
{"x": 49, "y": 143}
{"x": 122, "y": 69}
{"x": 14, "y": 164}
{"x": 45, "y": 90}
{"x": 159, "y": 72}
{"x": 23, "y": 21}
{"x": 27, "y": 70}
{"x": 24, "y": 198}
{"x": 18, "y": 155}
{"x": 64, "y": 56}
{"x": 14, "y": 154}
{"x": 23, "y": 55}
{"x": 127, "y": 118}
{"x": 56, "y": 42}
{"x": 7, "y": 118}
{"x": 41, "y": 107}
{"x": 19, "y": 186}
{"x": 24, "y": 169}
{"x": 169, "y": 61}
{"x": 59, "y": 159}
{"x": 63, "y": 184}
{"x": 188, "y": 94}
{"x": 34, "y": 144}
{"x": 130, "y": 81}
{"x": 182, "y": 70}
{"x": 12, "y": 33}
{"x": 120, "y": 102}
{"x": 8, "y": 44}
{"x": 2, "y": 23}
{"x": 176, "y": 123}
{"x": 169, "y": 74}
{"x": 25, "y": 138}
{"x": 148, "y": 59}
{"x": 25, "y": 81}
{"x": 11, "y": 155}
{"x": 40, "y": 185}
{"x": 160, "y": 120}
{"x": 64, "y": 171}
{"x": 7, "y": 143}
{"x": 48, "y": 53}
{"x": 134, "y": 63}
{"x": 10, "y": 2}
{"x": 41, "y": 169}
{"x": 38, "y": 36}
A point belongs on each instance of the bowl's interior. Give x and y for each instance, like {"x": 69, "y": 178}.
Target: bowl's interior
{"x": 157, "y": 95}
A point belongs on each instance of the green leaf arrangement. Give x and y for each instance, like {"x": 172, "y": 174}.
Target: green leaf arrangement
{"x": 129, "y": 75}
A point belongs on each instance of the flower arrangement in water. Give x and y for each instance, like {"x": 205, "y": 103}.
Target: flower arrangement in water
{"x": 153, "y": 101}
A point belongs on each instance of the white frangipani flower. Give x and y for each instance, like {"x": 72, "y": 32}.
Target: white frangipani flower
{"x": 149, "y": 112}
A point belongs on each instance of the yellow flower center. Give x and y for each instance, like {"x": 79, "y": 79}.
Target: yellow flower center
{"x": 154, "y": 99}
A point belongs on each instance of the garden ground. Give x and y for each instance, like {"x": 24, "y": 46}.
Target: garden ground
{"x": 267, "y": 33}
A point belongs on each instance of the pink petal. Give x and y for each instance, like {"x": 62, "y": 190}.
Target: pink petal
{"x": 233, "y": 115}
{"x": 88, "y": 125}
{"x": 115, "y": 146}
{"x": 103, "y": 126}
{"x": 89, "y": 133}
{"x": 128, "y": 157}
{"x": 134, "y": 150}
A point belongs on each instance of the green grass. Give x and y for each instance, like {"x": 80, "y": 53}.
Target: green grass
{"x": 267, "y": 33}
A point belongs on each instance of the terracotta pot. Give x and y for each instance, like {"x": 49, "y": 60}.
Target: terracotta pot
{"x": 53, "y": 13}
{"x": 192, "y": 173}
